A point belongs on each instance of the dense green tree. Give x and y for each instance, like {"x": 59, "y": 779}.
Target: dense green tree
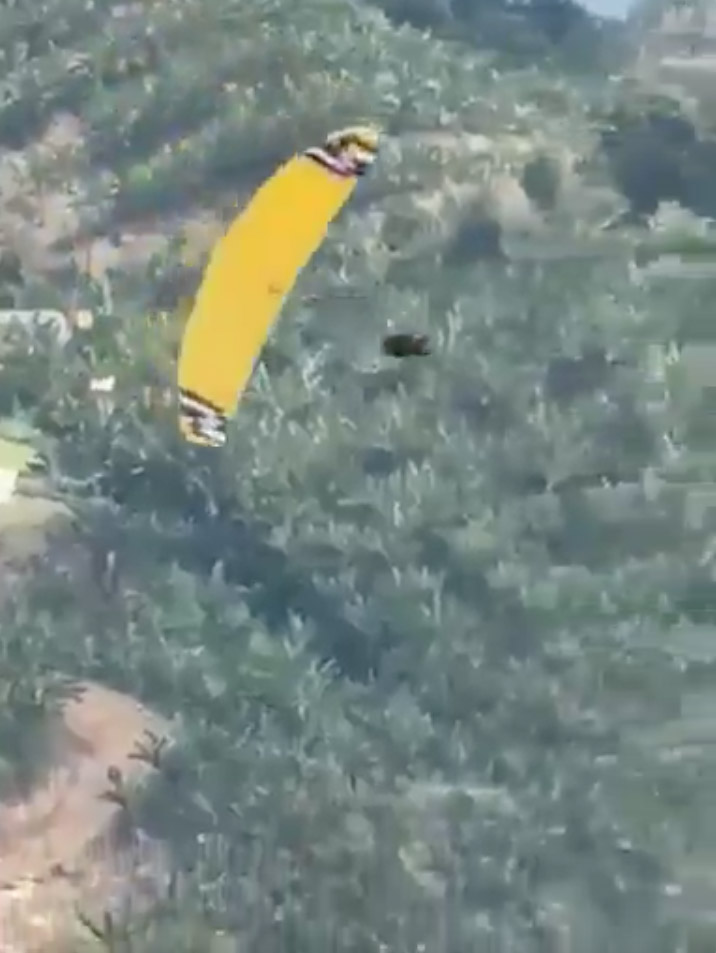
{"x": 560, "y": 31}
{"x": 656, "y": 154}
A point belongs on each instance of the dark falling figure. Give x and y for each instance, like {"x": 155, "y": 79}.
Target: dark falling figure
{"x": 406, "y": 345}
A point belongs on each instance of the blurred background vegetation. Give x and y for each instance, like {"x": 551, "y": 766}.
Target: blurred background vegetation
{"x": 438, "y": 638}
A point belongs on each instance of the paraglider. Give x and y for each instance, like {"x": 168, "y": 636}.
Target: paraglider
{"x": 251, "y": 271}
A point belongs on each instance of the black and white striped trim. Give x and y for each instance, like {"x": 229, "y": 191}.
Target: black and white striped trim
{"x": 202, "y": 418}
{"x": 193, "y": 405}
{"x": 333, "y": 163}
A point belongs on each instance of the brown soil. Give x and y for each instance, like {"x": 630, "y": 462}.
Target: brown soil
{"x": 59, "y": 847}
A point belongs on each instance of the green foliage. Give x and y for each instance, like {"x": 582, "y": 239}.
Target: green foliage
{"x": 656, "y": 154}
{"x": 445, "y": 549}
{"x": 553, "y": 31}
{"x": 541, "y": 180}
{"x": 436, "y": 636}
{"x": 30, "y": 695}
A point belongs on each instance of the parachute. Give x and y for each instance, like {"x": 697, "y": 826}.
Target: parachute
{"x": 251, "y": 271}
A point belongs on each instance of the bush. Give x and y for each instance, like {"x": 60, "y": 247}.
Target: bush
{"x": 541, "y": 181}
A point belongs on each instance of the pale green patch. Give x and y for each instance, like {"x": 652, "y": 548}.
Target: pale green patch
{"x": 15, "y": 455}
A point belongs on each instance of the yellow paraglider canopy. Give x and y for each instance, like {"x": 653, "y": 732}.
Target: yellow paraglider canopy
{"x": 251, "y": 271}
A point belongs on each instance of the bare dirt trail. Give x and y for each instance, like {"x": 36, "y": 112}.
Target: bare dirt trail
{"x": 57, "y": 846}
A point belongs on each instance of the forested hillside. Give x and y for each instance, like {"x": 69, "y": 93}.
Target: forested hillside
{"x": 436, "y": 637}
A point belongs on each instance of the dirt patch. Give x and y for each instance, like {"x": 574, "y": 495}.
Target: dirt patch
{"x": 40, "y": 210}
{"x": 62, "y": 849}
{"x": 42, "y": 205}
